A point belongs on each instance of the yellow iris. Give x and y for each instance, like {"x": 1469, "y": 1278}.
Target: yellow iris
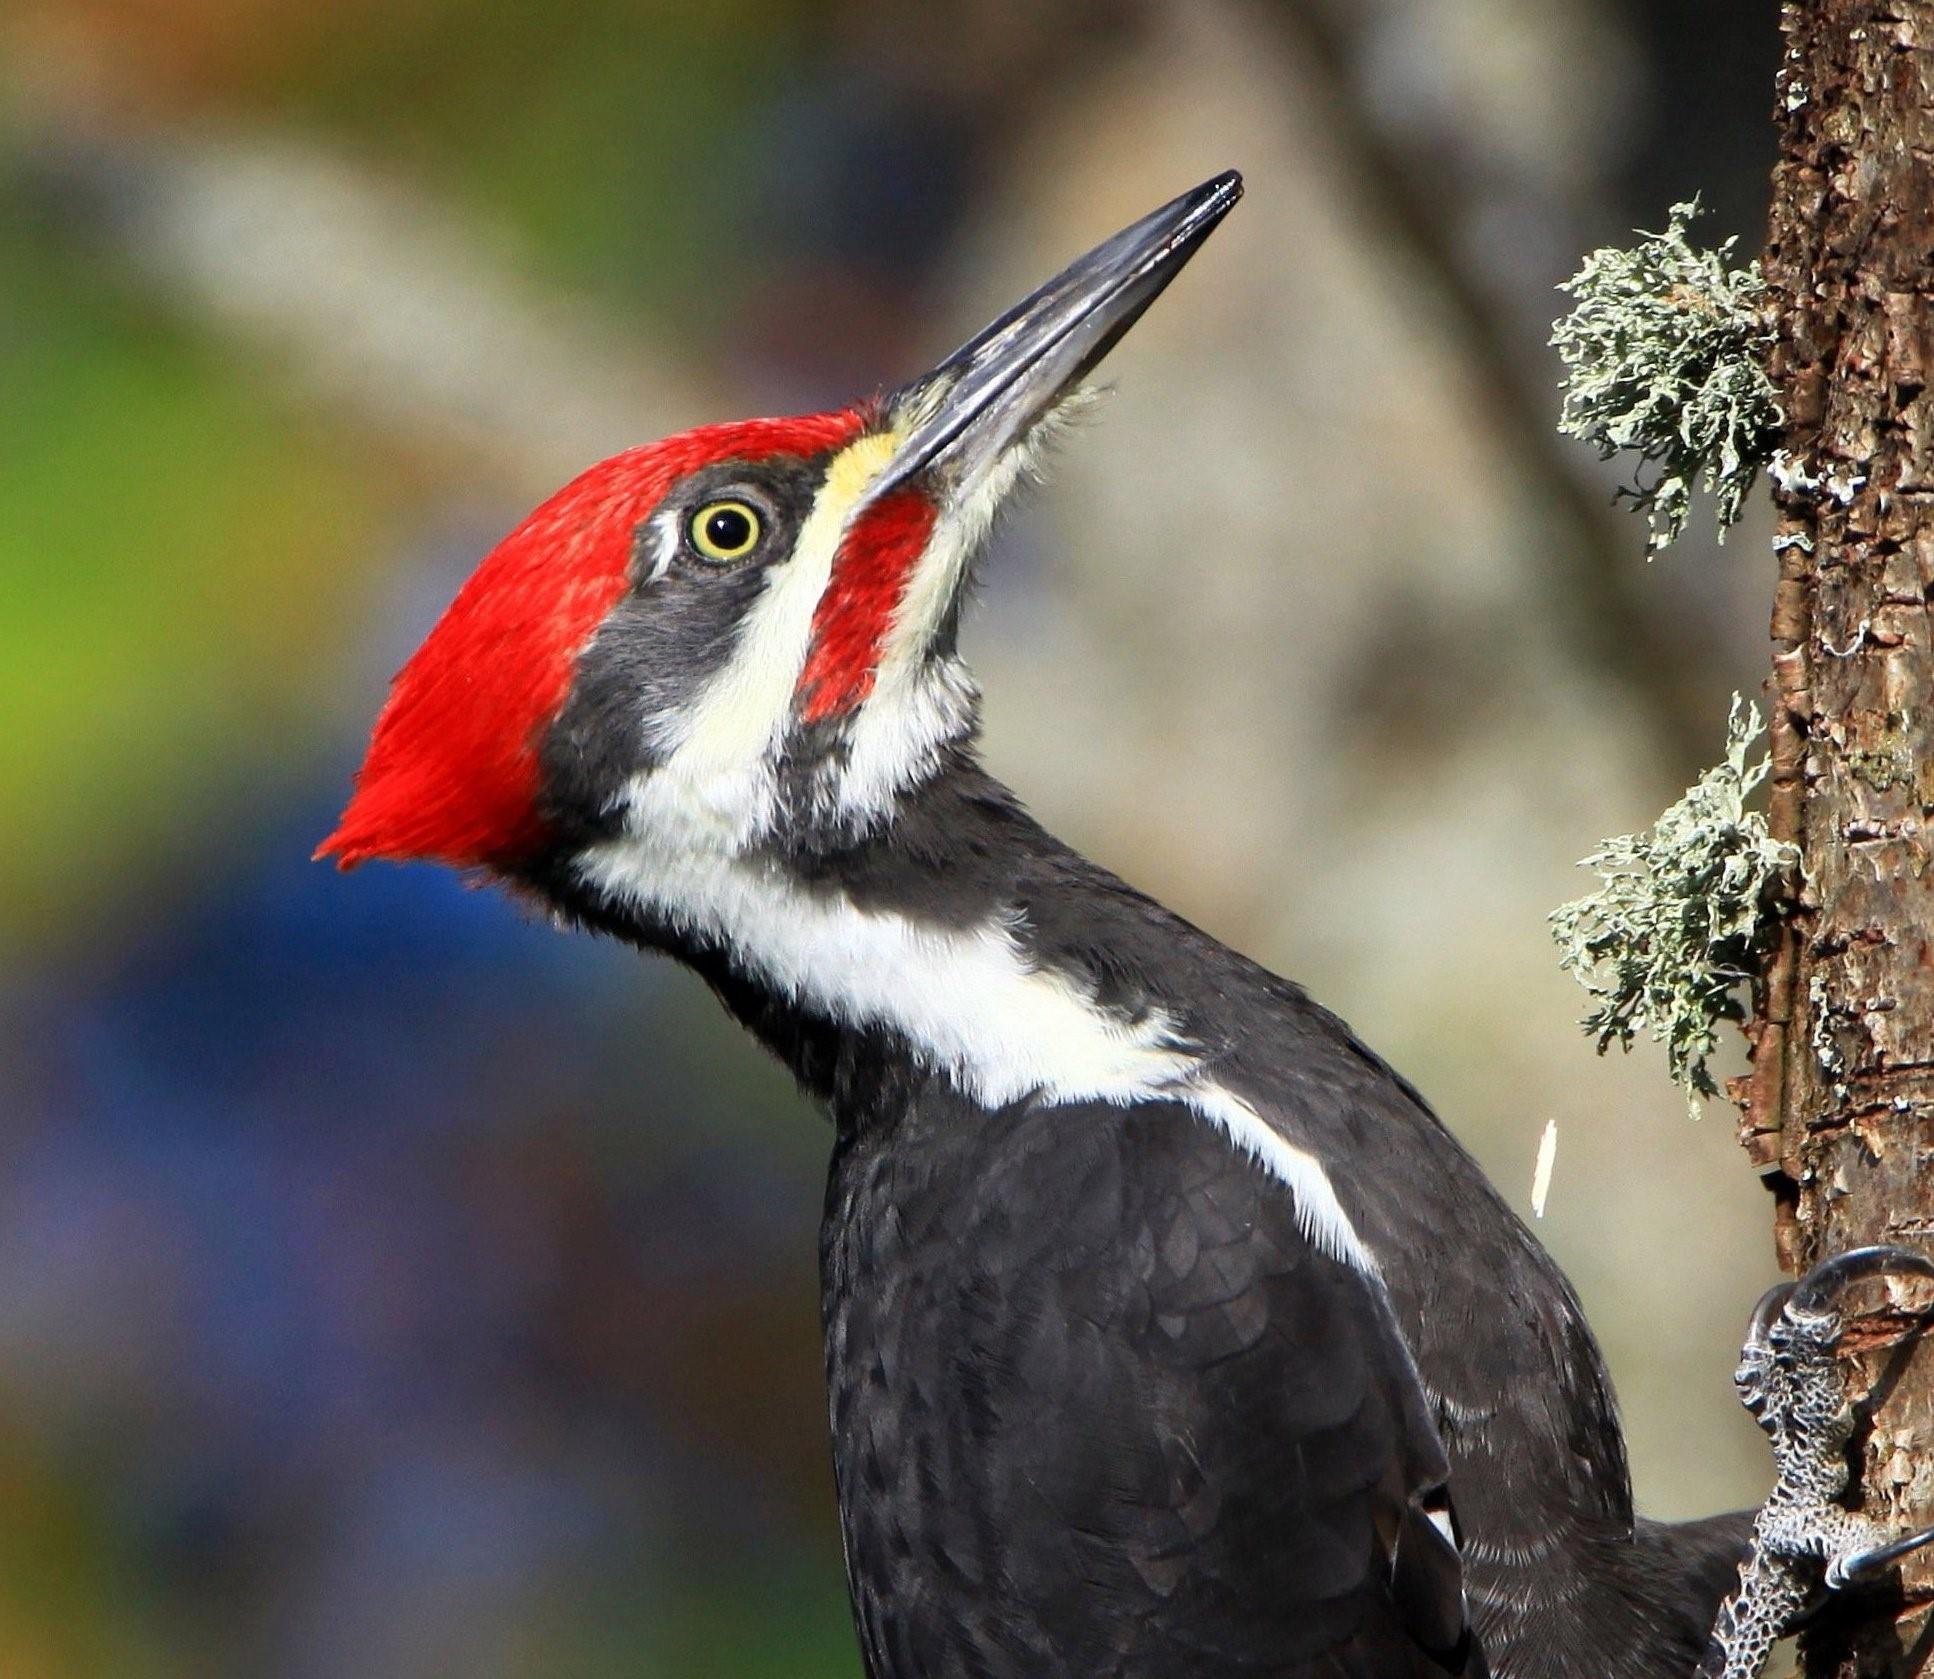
{"x": 725, "y": 530}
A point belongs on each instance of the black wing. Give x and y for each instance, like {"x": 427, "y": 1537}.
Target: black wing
{"x": 1100, "y": 1409}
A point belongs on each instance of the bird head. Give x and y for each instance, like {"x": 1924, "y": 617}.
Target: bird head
{"x": 744, "y": 632}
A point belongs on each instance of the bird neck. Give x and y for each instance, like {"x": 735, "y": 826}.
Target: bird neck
{"x": 958, "y": 941}
{"x": 962, "y": 943}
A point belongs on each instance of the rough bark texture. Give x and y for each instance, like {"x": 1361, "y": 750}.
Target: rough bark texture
{"x": 1840, "y": 1103}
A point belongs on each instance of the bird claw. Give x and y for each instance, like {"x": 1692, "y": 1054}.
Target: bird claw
{"x": 1790, "y": 1379}
{"x": 1820, "y": 1289}
{"x": 1860, "y": 1568}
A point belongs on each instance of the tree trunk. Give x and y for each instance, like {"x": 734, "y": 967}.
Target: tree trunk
{"x": 1840, "y": 1102}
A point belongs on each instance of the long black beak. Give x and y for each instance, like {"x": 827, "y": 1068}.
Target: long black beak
{"x": 964, "y": 415}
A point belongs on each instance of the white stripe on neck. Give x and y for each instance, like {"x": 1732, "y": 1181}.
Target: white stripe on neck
{"x": 967, "y": 1001}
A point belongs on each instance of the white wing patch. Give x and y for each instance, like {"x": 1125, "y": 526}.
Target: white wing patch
{"x": 969, "y": 1001}
{"x": 1318, "y": 1211}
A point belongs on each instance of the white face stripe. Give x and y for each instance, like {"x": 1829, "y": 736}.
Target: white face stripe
{"x": 936, "y": 579}
{"x": 967, "y": 1001}
{"x": 744, "y": 710}
{"x": 715, "y": 784}
{"x": 917, "y": 706}
{"x": 895, "y": 738}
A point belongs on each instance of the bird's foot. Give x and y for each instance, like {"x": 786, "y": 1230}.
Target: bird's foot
{"x": 1856, "y": 1568}
{"x": 1790, "y": 1378}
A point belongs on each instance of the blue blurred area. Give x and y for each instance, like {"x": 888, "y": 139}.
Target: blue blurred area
{"x": 380, "y": 1298}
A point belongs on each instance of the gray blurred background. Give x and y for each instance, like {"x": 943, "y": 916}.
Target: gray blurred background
{"x": 391, "y": 1287}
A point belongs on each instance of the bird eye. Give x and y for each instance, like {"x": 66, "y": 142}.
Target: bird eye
{"x": 725, "y": 530}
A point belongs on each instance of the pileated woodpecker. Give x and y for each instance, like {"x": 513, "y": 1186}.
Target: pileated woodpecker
{"x": 1168, "y": 1332}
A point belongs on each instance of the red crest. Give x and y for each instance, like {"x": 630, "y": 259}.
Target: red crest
{"x": 452, "y": 773}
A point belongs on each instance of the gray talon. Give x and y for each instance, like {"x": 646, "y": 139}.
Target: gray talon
{"x": 1859, "y": 1567}
{"x": 1790, "y": 1379}
{"x": 1820, "y": 1289}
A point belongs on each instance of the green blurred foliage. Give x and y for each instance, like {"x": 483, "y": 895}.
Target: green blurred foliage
{"x": 174, "y": 541}
{"x": 71, "y": 1602}
{"x": 801, "y": 1630}
{"x": 174, "y": 530}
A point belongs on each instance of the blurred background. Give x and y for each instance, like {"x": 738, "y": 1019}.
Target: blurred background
{"x": 392, "y": 1287}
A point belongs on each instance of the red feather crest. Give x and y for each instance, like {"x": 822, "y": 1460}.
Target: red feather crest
{"x": 452, "y": 773}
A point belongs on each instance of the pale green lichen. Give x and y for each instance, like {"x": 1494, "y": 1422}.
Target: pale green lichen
{"x": 1826, "y": 1050}
{"x": 1665, "y": 356}
{"x": 1683, "y": 916}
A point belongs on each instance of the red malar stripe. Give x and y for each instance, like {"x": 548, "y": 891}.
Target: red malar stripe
{"x": 869, "y": 576}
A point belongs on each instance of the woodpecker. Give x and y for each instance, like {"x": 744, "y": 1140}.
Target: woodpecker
{"x": 1168, "y": 1332}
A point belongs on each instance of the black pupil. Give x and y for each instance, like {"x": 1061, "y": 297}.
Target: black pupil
{"x": 728, "y": 529}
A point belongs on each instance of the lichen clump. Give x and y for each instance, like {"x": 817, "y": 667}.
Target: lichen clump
{"x": 1665, "y": 356}
{"x": 1683, "y": 917}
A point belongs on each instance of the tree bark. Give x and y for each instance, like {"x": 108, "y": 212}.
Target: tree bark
{"x": 1839, "y": 1107}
